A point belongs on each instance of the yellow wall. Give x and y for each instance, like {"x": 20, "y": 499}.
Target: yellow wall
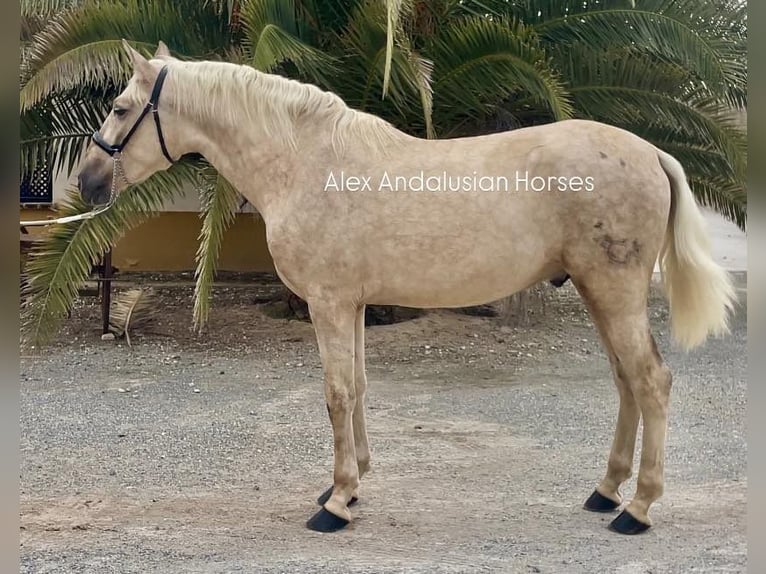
{"x": 169, "y": 242}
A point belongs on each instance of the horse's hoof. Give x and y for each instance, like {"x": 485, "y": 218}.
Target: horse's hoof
{"x": 325, "y": 496}
{"x": 559, "y": 281}
{"x": 325, "y": 521}
{"x": 600, "y": 503}
{"x": 625, "y": 523}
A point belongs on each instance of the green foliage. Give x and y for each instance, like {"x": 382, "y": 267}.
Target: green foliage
{"x": 220, "y": 202}
{"x": 671, "y": 71}
{"x": 58, "y": 267}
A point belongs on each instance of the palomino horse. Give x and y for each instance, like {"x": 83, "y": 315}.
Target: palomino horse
{"x": 347, "y": 224}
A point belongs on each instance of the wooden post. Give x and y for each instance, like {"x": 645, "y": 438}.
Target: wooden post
{"x": 106, "y": 289}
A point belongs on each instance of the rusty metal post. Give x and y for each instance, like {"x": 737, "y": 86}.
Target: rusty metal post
{"x": 105, "y": 283}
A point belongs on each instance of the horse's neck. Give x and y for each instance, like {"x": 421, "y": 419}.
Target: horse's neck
{"x": 263, "y": 154}
{"x": 254, "y": 163}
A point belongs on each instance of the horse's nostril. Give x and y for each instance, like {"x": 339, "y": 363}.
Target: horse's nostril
{"x": 85, "y": 183}
{"x": 93, "y": 188}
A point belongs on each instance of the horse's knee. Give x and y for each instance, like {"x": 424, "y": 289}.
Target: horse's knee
{"x": 340, "y": 399}
{"x": 360, "y": 385}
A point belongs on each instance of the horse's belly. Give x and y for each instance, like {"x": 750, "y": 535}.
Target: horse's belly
{"x": 446, "y": 282}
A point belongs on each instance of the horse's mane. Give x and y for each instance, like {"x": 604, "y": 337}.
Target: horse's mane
{"x": 221, "y": 90}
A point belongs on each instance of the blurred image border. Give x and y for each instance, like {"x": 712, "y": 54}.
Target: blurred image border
{"x": 9, "y": 317}
{"x": 755, "y": 285}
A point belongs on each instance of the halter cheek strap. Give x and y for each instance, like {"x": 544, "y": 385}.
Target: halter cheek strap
{"x": 152, "y": 107}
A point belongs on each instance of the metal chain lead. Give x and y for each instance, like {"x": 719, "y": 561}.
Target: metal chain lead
{"x": 117, "y": 171}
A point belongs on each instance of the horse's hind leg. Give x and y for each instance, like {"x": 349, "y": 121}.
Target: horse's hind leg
{"x": 358, "y": 418}
{"x": 360, "y": 384}
{"x": 607, "y": 496}
{"x": 619, "y": 310}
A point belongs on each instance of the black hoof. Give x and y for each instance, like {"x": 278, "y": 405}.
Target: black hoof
{"x": 325, "y": 521}
{"x": 559, "y": 281}
{"x": 325, "y": 496}
{"x": 600, "y": 503}
{"x": 626, "y": 524}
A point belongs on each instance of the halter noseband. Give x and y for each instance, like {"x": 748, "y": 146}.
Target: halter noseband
{"x": 151, "y": 106}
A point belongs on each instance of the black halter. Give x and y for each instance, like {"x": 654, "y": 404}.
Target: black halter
{"x": 151, "y": 106}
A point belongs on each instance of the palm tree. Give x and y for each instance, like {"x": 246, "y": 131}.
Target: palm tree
{"x": 671, "y": 71}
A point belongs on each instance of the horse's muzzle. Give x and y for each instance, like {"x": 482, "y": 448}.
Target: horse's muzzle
{"x": 95, "y": 187}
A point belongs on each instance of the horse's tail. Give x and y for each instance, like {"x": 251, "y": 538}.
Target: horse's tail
{"x": 700, "y": 292}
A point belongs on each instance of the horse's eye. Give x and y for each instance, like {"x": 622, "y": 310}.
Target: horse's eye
{"x": 120, "y": 112}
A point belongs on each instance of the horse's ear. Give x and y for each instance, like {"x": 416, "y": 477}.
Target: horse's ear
{"x": 141, "y": 65}
{"x": 162, "y": 51}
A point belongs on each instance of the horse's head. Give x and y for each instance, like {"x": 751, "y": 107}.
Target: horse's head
{"x": 137, "y": 136}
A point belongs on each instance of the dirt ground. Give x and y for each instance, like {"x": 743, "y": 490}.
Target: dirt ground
{"x": 204, "y": 453}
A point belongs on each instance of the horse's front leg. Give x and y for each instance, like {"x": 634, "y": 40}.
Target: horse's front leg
{"x": 358, "y": 418}
{"x": 334, "y": 327}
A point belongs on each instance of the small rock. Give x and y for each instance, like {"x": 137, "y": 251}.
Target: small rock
{"x": 107, "y": 337}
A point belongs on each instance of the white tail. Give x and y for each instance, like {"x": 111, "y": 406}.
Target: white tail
{"x": 700, "y": 292}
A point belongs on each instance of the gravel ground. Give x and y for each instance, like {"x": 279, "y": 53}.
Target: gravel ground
{"x": 195, "y": 453}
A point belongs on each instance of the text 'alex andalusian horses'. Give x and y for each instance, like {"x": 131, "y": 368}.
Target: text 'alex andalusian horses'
{"x": 610, "y": 202}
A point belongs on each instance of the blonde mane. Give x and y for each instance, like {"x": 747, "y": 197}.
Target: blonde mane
{"x": 221, "y": 91}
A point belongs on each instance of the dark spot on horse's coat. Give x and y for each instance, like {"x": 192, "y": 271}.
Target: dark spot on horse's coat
{"x": 603, "y": 155}
{"x": 599, "y": 224}
{"x": 620, "y": 251}
{"x": 622, "y": 162}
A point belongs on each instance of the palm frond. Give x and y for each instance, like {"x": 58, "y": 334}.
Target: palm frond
{"x": 44, "y": 8}
{"x": 62, "y": 262}
{"x": 229, "y": 7}
{"x": 97, "y": 64}
{"x": 422, "y": 71}
{"x": 685, "y": 32}
{"x": 56, "y": 131}
{"x": 622, "y": 105}
{"x": 273, "y": 38}
{"x": 408, "y": 103}
{"x": 481, "y": 62}
{"x": 130, "y": 309}
{"x": 220, "y": 203}
{"x": 394, "y": 9}
{"x": 35, "y": 15}
{"x": 75, "y": 44}
{"x": 726, "y": 196}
